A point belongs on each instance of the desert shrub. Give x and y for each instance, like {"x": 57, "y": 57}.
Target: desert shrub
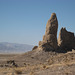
{"x": 67, "y": 73}
{"x": 18, "y": 71}
{"x": 25, "y": 64}
{"x": 32, "y": 73}
{"x": 1, "y": 65}
{"x": 44, "y": 66}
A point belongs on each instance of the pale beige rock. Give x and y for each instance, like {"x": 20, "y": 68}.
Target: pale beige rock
{"x": 52, "y": 25}
{"x": 50, "y": 37}
{"x": 66, "y": 40}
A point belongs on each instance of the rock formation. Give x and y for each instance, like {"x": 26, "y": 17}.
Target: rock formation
{"x": 66, "y": 40}
{"x": 50, "y": 38}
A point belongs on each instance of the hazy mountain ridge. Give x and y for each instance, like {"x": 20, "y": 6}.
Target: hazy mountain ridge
{"x": 6, "y": 47}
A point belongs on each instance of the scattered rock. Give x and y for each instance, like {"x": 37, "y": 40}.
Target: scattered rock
{"x": 12, "y": 63}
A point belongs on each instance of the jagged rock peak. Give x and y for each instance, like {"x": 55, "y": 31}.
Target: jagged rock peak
{"x": 66, "y": 39}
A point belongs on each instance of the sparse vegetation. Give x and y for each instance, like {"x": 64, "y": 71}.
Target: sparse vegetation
{"x": 44, "y": 66}
{"x": 32, "y": 73}
{"x": 47, "y": 63}
{"x": 18, "y": 71}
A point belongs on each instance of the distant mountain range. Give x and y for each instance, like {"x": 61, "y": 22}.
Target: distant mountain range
{"x": 6, "y": 47}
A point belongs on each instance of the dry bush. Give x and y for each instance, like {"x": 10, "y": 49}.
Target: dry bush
{"x": 18, "y": 71}
{"x": 50, "y": 61}
{"x": 44, "y": 66}
{"x": 32, "y": 73}
{"x": 67, "y": 73}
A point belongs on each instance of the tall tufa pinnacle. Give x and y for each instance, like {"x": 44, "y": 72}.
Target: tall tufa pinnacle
{"x": 50, "y": 38}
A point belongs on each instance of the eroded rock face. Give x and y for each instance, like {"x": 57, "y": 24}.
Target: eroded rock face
{"x": 66, "y": 40}
{"x": 50, "y": 38}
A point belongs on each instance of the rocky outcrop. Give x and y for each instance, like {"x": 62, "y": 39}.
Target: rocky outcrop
{"x": 50, "y": 38}
{"x": 66, "y": 40}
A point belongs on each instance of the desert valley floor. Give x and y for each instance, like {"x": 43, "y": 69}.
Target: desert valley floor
{"x": 38, "y": 62}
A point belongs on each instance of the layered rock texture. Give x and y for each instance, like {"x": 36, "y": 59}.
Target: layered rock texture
{"x": 50, "y": 38}
{"x": 66, "y": 40}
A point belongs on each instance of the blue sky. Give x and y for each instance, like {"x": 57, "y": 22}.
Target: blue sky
{"x": 24, "y": 21}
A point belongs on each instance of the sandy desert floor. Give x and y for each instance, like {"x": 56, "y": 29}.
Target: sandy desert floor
{"x": 38, "y": 63}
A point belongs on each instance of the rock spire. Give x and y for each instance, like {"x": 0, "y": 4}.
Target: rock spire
{"x": 50, "y": 38}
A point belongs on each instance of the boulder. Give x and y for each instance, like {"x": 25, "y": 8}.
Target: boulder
{"x": 35, "y": 47}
